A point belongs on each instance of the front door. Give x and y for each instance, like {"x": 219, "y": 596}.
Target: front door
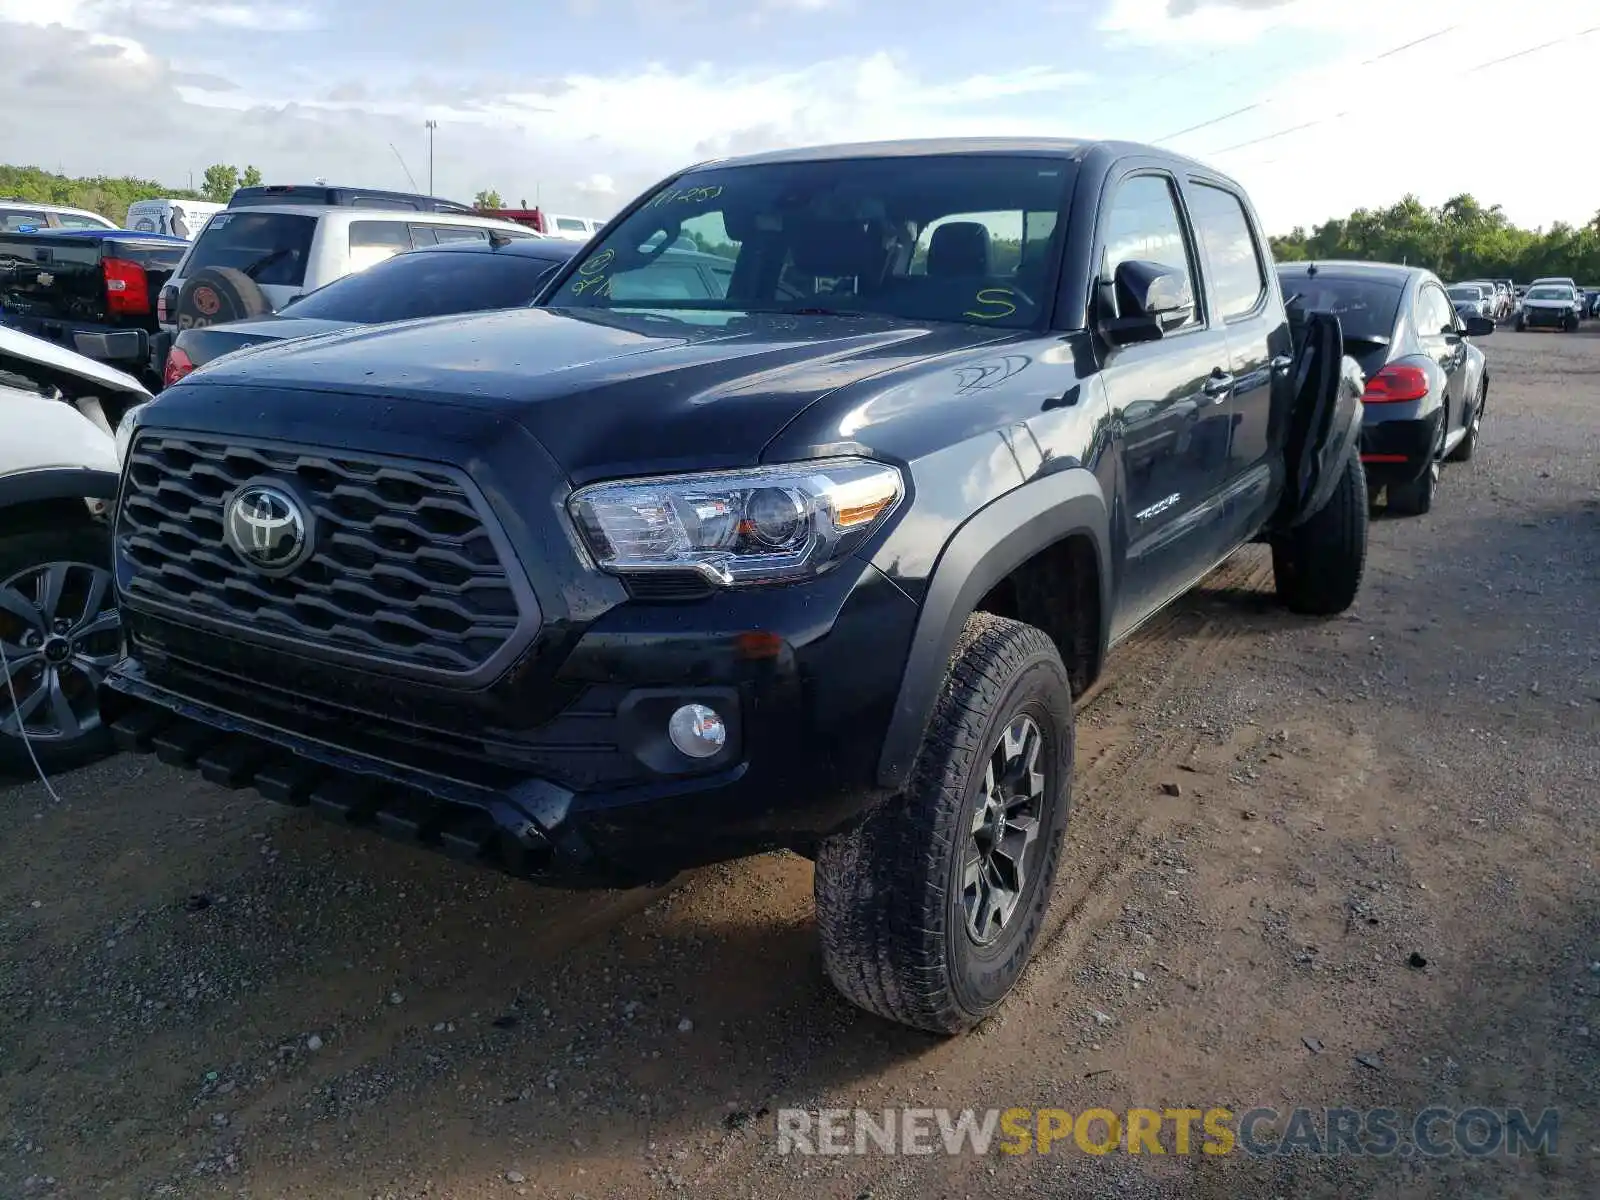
{"x": 1169, "y": 407}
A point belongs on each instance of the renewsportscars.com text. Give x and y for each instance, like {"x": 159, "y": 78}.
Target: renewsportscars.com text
{"x": 1434, "y": 1132}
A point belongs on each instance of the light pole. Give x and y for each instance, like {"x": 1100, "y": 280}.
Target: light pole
{"x": 431, "y": 126}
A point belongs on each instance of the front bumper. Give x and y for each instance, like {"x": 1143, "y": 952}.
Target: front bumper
{"x": 1398, "y": 450}
{"x": 592, "y": 794}
{"x": 1547, "y": 318}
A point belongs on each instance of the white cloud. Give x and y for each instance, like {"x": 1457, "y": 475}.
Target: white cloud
{"x": 597, "y": 185}
{"x": 101, "y": 97}
{"x": 101, "y": 15}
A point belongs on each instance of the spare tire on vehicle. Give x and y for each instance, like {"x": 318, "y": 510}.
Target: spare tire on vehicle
{"x": 214, "y": 295}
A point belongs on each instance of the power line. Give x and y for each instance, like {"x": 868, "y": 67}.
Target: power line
{"x": 1493, "y": 62}
{"x": 1266, "y": 100}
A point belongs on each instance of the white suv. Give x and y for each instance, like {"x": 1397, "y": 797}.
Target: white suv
{"x": 253, "y": 260}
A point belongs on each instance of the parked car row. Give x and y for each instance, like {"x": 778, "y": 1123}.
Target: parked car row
{"x": 1427, "y": 385}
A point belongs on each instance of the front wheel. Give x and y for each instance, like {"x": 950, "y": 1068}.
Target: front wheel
{"x": 59, "y": 634}
{"x": 1317, "y": 566}
{"x": 929, "y": 909}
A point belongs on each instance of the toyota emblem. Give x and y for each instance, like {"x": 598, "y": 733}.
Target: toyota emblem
{"x": 267, "y": 528}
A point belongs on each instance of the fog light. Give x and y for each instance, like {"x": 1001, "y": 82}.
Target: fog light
{"x": 697, "y": 731}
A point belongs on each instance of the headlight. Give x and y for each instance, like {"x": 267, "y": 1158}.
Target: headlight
{"x": 125, "y": 432}
{"x": 764, "y": 525}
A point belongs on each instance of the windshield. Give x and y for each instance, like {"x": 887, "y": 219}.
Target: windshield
{"x": 936, "y": 238}
{"x": 1366, "y": 308}
{"x": 1466, "y": 293}
{"x": 428, "y": 284}
{"x": 1549, "y": 293}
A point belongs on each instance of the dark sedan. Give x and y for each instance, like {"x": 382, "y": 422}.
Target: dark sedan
{"x": 454, "y": 277}
{"x": 1427, "y": 385}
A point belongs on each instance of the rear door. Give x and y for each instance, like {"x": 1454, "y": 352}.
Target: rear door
{"x": 1169, "y": 404}
{"x": 1260, "y": 354}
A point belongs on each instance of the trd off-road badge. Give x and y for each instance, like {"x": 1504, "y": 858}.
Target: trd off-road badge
{"x": 267, "y": 528}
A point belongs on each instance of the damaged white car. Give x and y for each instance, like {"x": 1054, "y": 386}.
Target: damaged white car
{"x": 59, "y": 630}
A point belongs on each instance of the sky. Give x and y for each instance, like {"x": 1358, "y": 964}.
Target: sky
{"x": 1316, "y": 106}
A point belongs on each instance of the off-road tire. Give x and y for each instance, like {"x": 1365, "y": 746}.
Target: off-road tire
{"x": 1468, "y": 446}
{"x": 1317, "y": 566}
{"x": 894, "y": 933}
{"x": 85, "y": 542}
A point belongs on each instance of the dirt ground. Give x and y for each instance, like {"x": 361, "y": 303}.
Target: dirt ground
{"x": 204, "y": 995}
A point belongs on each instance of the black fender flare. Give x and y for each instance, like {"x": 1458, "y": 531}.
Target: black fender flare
{"x": 991, "y": 544}
{"x": 57, "y": 483}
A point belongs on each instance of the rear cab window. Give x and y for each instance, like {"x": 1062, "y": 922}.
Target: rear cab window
{"x": 271, "y": 248}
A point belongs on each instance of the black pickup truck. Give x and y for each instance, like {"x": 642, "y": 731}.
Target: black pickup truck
{"x": 92, "y": 291}
{"x": 639, "y": 579}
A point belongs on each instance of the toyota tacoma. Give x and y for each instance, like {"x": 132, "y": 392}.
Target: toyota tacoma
{"x": 656, "y": 574}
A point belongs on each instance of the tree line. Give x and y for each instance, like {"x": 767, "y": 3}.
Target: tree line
{"x": 1460, "y": 239}
{"x": 110, "y": 195}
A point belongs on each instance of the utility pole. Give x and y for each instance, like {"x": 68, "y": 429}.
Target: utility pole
{"x": 431, "y": 126}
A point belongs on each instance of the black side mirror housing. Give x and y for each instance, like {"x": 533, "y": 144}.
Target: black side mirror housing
{"x": 1479, "y": 326}
{"x": 1151, "y": 298}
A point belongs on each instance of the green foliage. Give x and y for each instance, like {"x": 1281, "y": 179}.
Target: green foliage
{"x": 221, "y": 181}
{"x": 101, "y": 194}
{"x": 1460, "y": 239}
{"x": 488, "y": 198}
{"x": 250, "y": 177}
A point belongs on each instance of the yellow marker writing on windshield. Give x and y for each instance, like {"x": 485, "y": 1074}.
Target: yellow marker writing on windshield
{"x": 997, "y": 301}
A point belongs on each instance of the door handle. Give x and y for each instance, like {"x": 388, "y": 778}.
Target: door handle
{"x": 1218, "y": 386}
{"x": 1281, "y": 364}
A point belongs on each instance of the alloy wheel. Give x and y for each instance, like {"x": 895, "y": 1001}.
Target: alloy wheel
{"x": 60, "y": 634}
{"x": 1002, "y": 847}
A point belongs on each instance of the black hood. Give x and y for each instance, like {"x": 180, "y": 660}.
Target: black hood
{"x": 607, "y": 392}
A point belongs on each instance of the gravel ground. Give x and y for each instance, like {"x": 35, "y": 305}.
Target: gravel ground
{"x": 1375, "y": 886}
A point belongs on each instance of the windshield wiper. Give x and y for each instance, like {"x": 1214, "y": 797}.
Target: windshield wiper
{"x": 266, "y": 260}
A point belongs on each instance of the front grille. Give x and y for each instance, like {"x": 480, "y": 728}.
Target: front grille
{"x": 405, "y": 571}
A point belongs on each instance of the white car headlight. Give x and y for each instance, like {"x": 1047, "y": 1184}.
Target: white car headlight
{"x": 125, "y": 433}
{"x": 763, "y": 525}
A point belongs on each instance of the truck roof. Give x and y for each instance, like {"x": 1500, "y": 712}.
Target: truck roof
{"x": 1050, "y": 147}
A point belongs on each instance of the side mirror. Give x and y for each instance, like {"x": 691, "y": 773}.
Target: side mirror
{"x": 1479, "y": 326}
{"x": 1151, "y": 298}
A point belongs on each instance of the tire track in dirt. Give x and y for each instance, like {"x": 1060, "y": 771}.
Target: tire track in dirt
{"x": 1117, "y": 807}
{"x": 1115, "y": 794}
